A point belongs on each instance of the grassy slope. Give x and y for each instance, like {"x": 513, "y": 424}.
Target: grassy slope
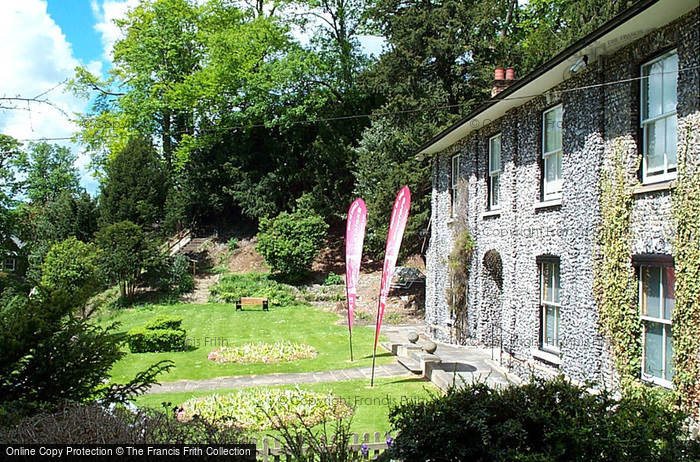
{"x": 211, "y": 325}
{"x": 371, "y": 404}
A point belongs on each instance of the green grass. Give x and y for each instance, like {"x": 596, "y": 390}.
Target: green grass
{"x": 371, "y": 404}
{"x": 214, "y": 325}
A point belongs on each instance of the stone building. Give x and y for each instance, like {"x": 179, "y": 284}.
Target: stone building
{"x": 522, "y": 175}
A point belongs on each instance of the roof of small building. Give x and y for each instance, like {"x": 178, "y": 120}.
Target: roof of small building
{"x": 626, "y": 27}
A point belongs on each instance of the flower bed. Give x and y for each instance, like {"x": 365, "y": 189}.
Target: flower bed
{"x": 259, "y": 409}
{"x": 263, "y": 353}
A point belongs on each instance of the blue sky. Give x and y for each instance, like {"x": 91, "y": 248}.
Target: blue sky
{"x": 41, "y": 44}
{"x": 77, "y": 21}
{"x": 43, "y": 41}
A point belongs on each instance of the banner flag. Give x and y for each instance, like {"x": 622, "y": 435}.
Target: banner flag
{"x": 354, "y": 239}
{"x": 397, "y": 226}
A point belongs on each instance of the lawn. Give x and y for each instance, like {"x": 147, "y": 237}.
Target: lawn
{"x": 371, "y": 404}
{"x": 211, "y": 326}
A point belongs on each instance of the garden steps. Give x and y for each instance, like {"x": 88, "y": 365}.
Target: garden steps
{"x": 450, "y": 364}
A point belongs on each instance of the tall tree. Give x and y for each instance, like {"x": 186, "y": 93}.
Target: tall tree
{"x": 10, "y": 154}
{"x": 135, "y": 185}
{"x": 436, "y": 68}
{"x": 50, "y": 170}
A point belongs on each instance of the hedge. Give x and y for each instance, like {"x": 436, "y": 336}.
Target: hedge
{"x": 165, "y": 322}
{"x": 142, "y": 340}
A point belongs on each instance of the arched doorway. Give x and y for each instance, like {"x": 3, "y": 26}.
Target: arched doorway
{"x": 492, "y": 303}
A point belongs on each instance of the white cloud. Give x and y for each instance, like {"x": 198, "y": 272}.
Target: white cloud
{"x": 106, "y": 13}
{"x": 36, "y": 59}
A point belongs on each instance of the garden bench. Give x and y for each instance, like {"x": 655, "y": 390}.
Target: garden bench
{"x": 405, "y": 277}
{"x": 252, "y": 301}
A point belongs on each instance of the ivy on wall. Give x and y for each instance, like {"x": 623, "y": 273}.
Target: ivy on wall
{"x": 686, "y": 252}
{"x": 614, "y": 283}
{"x": 459, "y": 265}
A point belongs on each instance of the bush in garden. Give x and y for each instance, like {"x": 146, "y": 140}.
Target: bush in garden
{"x": 162, "y": 333}
{"x": 542, "y": 421}
{"x": 94, "y": 424}
{"x": 232, "y": 244}
{"x": 165, "y": 322}
{"x": 252, "y": 408}
{"x": 333, "y": 279}
{"x": 233, "y": 287}
{"x": 177, "y": 279}
{"x": 70, "y": 271}
{"x": 263, "y": 353}
{"x": 290, "y": 242}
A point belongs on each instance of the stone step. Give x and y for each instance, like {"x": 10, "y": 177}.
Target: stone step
{"x": 411, "y": 364}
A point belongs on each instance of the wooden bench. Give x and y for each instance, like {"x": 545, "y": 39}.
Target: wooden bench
{"x": 252, "y": 301}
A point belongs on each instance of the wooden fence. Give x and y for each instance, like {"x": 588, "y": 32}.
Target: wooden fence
{"x": 271, "y": 450}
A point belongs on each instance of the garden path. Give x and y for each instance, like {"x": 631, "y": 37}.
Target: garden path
{"x": 384, "y": 371}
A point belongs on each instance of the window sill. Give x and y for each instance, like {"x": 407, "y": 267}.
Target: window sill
{"x": 491, "y": 213}
{"x": 548, "y": 204}
{"x": 654, "y": 187}
{"x": 657, "y": 381}
{"x": 546, "y": 356}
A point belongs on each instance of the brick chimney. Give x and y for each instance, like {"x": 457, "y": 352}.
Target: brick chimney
{"x": 502, "y": 79}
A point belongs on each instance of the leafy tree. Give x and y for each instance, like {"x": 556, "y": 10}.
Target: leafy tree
{"x": 70, "y": 271}
{"x": 437, "y": 66}
{"x": 50, "y": 356}
{"x": 290, "y": 242}
{"x": 50, "y": 170}
{"x": 126, "y": 251}
{"x": 135, "y": 186}
{"x": 549, "y": 26}
{"x": 41, "y": 226}
{"x": 10, "y": 154}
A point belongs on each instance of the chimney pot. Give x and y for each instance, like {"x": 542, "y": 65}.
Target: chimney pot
{"x": 498, "y": 74}
{"x": 510, "y": 74}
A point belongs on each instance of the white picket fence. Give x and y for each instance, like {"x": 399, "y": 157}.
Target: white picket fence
{"x": 271, "y": 450}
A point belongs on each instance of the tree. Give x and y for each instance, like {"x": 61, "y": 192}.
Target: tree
{"x": 50, "y": 170}
{"x": 50, "y": 355}
{"x": 135, "y": 186}
{"x": 70, "y": 272}
{"x": 10, "y": 154}
{"x": 290, "y": 242}
{"x": 125, "y": 253}
{"x": 41, "y": 226}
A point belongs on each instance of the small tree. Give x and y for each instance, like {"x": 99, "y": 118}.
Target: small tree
{"x": 125, "y": 252}
{"x": 70, "y": 271}
{"x": 290, "y": 242}
{"x": 49, "y": 355}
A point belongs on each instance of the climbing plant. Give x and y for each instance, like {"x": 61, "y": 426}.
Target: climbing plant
{"x": 614, "y": 286}
{"x": 459, "y": 264}
{"x": 686, "y": 252}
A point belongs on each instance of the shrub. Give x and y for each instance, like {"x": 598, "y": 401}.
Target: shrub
{"x": 94, "y": 424}
{"x": 333, "y": 279}
{"x": 543, "y": 420}
{"x": 178, "y": 280}
{"x": 232, "y": 244}
{"x": 250, "y": 409}
{"x": 165, "y": 322}
{"x": 233, "y": 287}
{"x": 142, "y": 340}
{"x": 70, "y": 271}
{"x": 290, "y": 242}
{"x": 263, "y": 353}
